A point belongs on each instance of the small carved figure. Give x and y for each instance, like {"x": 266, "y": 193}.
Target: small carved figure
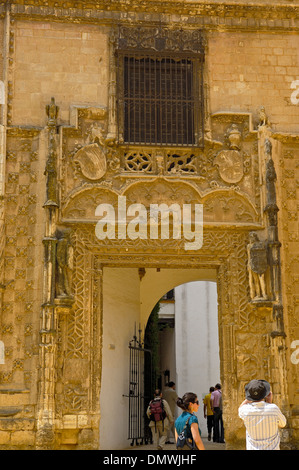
{"x": 263, "y": 118}
{"x": 257, "y": 266}
{"x": 52, "y": 112}
{"x": 64, "y": 263}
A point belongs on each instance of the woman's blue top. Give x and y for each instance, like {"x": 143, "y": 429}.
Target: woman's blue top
{"x": 181, "y": 421}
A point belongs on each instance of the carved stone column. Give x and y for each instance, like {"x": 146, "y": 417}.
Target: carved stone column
{"x": 48, "y": 331}
{"x": 271, "y": 210}
{"x": 277, "y": 344}
{"x": 3, "y": 130}
{"x": 112, "y": 121}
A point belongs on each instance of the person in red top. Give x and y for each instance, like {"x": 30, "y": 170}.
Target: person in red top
{"x": 216, "y": 405}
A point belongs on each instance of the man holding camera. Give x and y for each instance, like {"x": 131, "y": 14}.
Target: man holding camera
{"x": 261, "y": 417}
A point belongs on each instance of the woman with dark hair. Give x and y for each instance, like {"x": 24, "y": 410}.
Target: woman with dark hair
{"x": 188, "y": 421}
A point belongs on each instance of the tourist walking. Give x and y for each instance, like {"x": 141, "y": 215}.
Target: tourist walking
{"x": 161, "y": 418}
{"x": 261, "y": 417}
{"x": 170, "y": 396}
{"x": 188, "y": 420}
{"x": 208, "y": 413}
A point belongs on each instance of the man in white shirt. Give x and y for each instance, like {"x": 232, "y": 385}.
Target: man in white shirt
{"x": 261, "y": 417}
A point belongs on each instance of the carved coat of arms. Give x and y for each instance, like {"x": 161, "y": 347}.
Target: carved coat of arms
{"x": 91, "y": 161}
{"x": 230, "y": 164}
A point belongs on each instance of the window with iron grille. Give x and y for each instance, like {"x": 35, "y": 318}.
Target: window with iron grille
{"x": 160, "y": 98}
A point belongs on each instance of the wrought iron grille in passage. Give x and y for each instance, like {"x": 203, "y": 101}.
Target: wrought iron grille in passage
{"x": 160, "y": 97}
{"x": 136, "y": 395}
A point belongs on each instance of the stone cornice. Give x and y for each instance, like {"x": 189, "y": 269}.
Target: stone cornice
{"x": 254, "y": 16}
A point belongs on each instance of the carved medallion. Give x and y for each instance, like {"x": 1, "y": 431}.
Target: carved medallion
{"x": 91, "y": 162}
{"x": 230, "y": 164}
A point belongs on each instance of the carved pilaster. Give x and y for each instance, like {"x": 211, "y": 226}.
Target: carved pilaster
{"x": 112, "y": 120}
{"x": 3, "y": 127}
{"x": 46, "y": 405}
{"x": 271, "y": 209}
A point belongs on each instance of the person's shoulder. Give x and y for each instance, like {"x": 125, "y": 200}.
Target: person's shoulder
{"x": 244, "y": 408}
{"x": 193, "y": 419}
{"x": 272, "y": 406}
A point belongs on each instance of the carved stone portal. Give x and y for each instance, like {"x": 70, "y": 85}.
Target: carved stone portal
{"x": 71, "y": 346}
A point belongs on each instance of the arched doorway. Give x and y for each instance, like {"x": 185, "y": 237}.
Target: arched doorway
{"x": 188, "y": 341}
{"x": 129, "y": 296}
{"x": 116, "y": 286}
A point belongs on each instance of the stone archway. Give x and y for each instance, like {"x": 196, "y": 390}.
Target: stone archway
{"x": 249, "y": 333}
{"x": 244, "y": 329}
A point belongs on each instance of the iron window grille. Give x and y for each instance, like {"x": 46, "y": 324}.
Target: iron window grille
{"x": 160, "y": 87}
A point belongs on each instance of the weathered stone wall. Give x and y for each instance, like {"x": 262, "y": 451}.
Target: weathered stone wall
{"x": 247, "y": 70}
{"x": 22, "y": 295}
{"x": 288, "y": 176}
{"x": 61, "y": 60}
{"x": 244, "y": 71}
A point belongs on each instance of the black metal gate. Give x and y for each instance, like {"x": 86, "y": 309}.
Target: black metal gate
{"x": 136, "y": 395}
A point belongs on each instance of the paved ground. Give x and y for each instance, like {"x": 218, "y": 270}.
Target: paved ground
{"x": 209, "y": 445}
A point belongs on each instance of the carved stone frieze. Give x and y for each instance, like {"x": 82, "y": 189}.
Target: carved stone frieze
{"x": 223, "y": 176}
{"x": 160, "y": 39}
{"x": 257, "y": 17}
{"x": 219, "y": 206}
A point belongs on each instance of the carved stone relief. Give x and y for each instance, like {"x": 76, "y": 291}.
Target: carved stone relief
{"x": 64, "y": 265}
{"x": 176, "y": 175}
{"x": 90, "y": 158}
{"x": 91, "y": 161}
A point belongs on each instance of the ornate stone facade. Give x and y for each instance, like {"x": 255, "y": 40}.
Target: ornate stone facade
{"x": 61, "y": 157}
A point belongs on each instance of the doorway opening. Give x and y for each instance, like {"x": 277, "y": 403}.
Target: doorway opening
{"x": 182, "y": 332}
{"x": 129, "y": 295}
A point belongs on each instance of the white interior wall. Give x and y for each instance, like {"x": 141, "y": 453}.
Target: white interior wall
{"x": 197, "y": 341}
{"x": 155, "y": 283}
{"x": 167, "y": 353}
{"x": 121, "y": 305}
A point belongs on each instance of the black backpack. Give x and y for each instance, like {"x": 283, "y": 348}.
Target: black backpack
{"x": 157, "y": 412}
